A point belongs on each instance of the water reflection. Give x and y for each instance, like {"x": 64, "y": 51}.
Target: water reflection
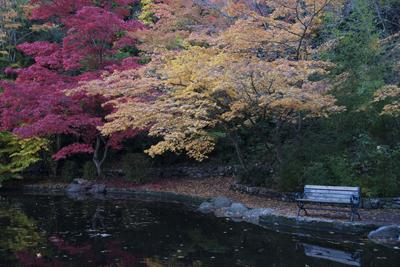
{"x": 57, "y": 231}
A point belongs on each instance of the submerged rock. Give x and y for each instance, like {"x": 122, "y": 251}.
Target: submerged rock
{"x": 386, "y": 235}
{"x": 221, "y": 202}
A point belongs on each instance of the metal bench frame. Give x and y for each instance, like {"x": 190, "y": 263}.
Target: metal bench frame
{"x": 329, "y": 195}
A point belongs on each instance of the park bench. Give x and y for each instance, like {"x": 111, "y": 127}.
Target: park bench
{"x": 317, "y": 196}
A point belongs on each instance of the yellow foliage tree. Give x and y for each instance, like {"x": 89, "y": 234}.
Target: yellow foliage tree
{"x": 11, "y": 21}
{"x": 256, "y": 72}
{"x": 391, "y": 93}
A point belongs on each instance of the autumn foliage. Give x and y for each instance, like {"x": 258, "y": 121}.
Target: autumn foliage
{"x": 187, "y": 74}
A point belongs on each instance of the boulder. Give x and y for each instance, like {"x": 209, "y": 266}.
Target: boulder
{"x": 253, "y": 215}
{"x": 222, "y": 212}
{"x": 238, "y": 208}
{"x": 77, "y": 185}
{"x": 206, "y": 207}
{"x": 97, "y": 189}
{"x": 221, "y": 202}
{"x": 386, "y": 235}
{"x": 83, "y": 186}
{"x": 72, "y": 188}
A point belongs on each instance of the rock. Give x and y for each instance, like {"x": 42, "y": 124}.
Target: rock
{"x": 235, "y": 211}
{"x": 97, "y": 189}
{"x": 371, "y": 203}
{"x": 238, "y": 208}
{"x": 83, "y": 186}
{"x": 71, "y": 188}
{"x": 221, "y": 202}
{"x": 206, "y": 207}
{"x": 386, "y": 235}
{"x": 222, "y": 212}
{"x": 77, "y": 185}
{"x": 253, "y": 215}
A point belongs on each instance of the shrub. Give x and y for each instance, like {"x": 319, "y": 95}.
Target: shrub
{"x": 89, "y": 171}
{"x": 69, "y": 171}
{"x": 291, "y": 175}
{"x": 256, "y": 175}
{"x": 316, "y": 173}
{"x": 136, "y": 166}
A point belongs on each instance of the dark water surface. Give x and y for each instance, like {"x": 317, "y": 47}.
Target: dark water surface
{"x": 57, "y": 231}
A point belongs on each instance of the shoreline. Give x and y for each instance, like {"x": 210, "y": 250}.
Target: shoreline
{"x": 268, "y": 218}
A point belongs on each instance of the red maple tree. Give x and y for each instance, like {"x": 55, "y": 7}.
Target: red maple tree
{"x": 37, "y": 102}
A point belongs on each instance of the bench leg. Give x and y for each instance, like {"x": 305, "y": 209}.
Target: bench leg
{"x": 301, "y": 207}
{"x": 354, "y": 211}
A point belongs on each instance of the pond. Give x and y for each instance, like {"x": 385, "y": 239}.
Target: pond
{"x": 58, "y": 231}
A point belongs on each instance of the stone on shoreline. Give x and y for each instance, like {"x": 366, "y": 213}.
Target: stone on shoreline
{"x": 221, "y": 202}
{"x": 386, "y": 235}
{"x": 84, "y": 186}
{"x": 236, "y": 210}
{"x": 206, "y": 207}
{"x": 253, "y": 215}
{"x": 226, "y": 208}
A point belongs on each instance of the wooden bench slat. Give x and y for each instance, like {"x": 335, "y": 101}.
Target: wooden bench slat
{"x": 328, "y": 195}
{"x": 325, "y": 200}
{"x": 332, "y": 191}
{"x": 345, "y": 188}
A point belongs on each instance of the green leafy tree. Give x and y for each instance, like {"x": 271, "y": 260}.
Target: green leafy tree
{"x": 18, "y": 154}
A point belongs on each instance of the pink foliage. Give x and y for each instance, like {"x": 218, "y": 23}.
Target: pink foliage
{"x": 73, "y": 149}
{"x": 90, "y": 32}
{"x": 63, "y": 8}
{"x": 36, "y": 104}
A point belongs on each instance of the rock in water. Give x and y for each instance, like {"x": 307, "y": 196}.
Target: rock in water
{"x": 206, "y": 207}
{"x": 77, "y": 185}
{"x": 221, "y": 202}
{"x": 97, "y": 189}
{"x": 386, "y": 235}
{"x": 83, "y": 187}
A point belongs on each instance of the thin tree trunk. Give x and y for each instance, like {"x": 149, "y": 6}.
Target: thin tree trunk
{"x": 98, "y": 162}
{"x": 379, "y": 14}
{"x": 238, "y": 152}
{"x": 278, "y": 143}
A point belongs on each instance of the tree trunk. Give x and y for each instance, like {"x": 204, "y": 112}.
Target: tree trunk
{"x": 278, "y": 143}
{"x": 238, "y": 152}
{"x": 96, "y": 155}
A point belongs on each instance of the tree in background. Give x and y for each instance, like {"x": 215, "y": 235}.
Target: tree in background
{"x": 254, "y": 75}
{"x": 14, "y": 30}
{"x": 18, "y": 154}
{"x": 35, "y": 105}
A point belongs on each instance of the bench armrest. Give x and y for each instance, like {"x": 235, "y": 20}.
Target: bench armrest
{"x": 299, "y": 195}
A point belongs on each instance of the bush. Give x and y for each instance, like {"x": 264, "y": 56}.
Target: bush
{"x": 89, "y": 171}
{"x": 316, "y": 173}
{"x": 291, "y": 176}
{"x": 69, "y": 171}
{"x": 136, "y": 167}
{"x": 257, "y": 175}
